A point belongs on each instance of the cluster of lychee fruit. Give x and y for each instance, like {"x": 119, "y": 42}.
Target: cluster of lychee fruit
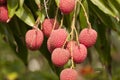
{"x": 62, "y": 50}
{"x": 3, "y": 11}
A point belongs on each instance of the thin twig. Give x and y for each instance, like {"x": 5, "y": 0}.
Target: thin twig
{"x": 55, "y": 19}
{"x": 46, "y": 8}
{"x": 61, "y": 22}
{"x": 89, "y": 24}
{"x": 72, "y": 34}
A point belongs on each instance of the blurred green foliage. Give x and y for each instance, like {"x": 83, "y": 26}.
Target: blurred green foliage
{"x": 15, "y": 58}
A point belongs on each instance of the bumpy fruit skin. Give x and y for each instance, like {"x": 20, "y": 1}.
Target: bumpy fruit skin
{"x": 49, "y": 47}
{"x": 60, "y": 56}
{"x": 67, "y": 6}
{"x": 3, "y": 14}
{"x": 57, "y": 38}
{"x": 2, "y": 2}
{"x": 88, "y": 37}
{"x": 34, "y": 39}
{"x": 69, "y": 74}
{"x": 78, "y": 52}
{"x": 47, "y": 26}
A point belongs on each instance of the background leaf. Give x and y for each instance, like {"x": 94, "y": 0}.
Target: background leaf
{"x": 12, "y": 6}
{"x": 25, "y": 15}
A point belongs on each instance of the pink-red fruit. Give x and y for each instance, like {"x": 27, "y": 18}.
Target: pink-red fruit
{"x": 78, "y": 52}
{"x": 48, "y": 25}
{"x": 34, "y": 39}
{"x": 60, "y": 56}
{"x": 67, "y": 6}
{"x": 88, "y": 37}
{"x": 2, "y": 2}
{"x": 57, "y": 39}
{"x": 3, "y": 14}
{"x": 69, "y": 74}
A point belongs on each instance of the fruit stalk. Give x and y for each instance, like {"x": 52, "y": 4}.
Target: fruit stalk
{"x": 46, "y": 8}
{"x": 89, "y": 24}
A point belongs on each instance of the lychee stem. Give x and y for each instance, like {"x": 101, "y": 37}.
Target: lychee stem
{"x": 61, "y": 22}
{"x": 72, "y": 34}
{"x": 45, "y": 2}
{"x": 55, "y": 19}
{"x": 76, "y": 33}
{"x": 89, "y": 24}
{"x": 37, "y": 23}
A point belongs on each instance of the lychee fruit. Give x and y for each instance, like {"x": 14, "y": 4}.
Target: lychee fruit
{"x": 69, "y": 74}
{"x": 47, "y": 26}
{"x": 2, "y": 2}
{"x": 77, "y": 51}
{"x": 67, "y": 6}
{"x": 49, "y": 47}
{"x": 3, "y": 14}
{"x": 71, "y": 44}
{"x": 57, "y": 38}
{"x": 88, "y": 37}
{"x": 34, "y": 39}
{"x": 60, "y": 56}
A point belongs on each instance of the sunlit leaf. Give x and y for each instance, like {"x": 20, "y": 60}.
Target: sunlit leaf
{"x": 12, "y": 6}
{"x": 103, "y": 7}
{"x": 57, "y": 2}
{"x": 83, "y": 22}
{"x": 25, "y": 15}
{"x": 21, "y": 2}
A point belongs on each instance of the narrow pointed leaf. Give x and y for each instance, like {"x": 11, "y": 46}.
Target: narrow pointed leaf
{"x": 25, "y": 15}
{"x": 12, "y": 6}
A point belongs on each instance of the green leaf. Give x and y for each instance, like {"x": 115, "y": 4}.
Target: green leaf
{"x": 118, "y": 1}
{"x": 116, "y": 6}
{"x": 22, "y": 52}
{"x": 105, "y": 19}
{"x": 25, "y": 15}
{"x": 57, "y": 2}
{"x": 12, "y": 6}
{"x": 37, "y": 2}
{"x": 41, "y": 15}
{"x": 102, "y": 6}
{"x": 21, "y": 2}
{"x": 82, "y": 17}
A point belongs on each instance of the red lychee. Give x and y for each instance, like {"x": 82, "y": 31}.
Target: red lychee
{"x": 47, "y": 26}
{"x": 2, "y": 2}
{"x": 77, "y": 51}
{"x": 49, "y": 47}
{"x": 88, "y": 37}
{"x": 67, "y": 6}
{"x": 57, "y": 38}
{"x": 34, "y": 39}
{"x": 69, "y": 74}
{"x": 3, "y": 14}
{"x": 60, "y": 56}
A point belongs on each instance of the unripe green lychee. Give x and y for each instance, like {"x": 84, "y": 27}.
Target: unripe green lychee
{"x": 60, "y": 56}
{"x": 69, "y": 74}
{"x": 67, "y": 6}
{"x": 57, "y": 38}
{"x": 47, "y": 26}
{"x": 2, "y": 2}
{"x": 3, "y": 14}
{"x": 34, "y": 39}
{"x": 88, "y": 37}
{"x": 77, "y": 51}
